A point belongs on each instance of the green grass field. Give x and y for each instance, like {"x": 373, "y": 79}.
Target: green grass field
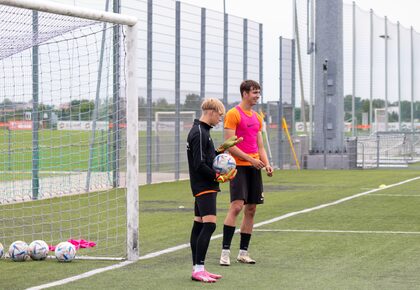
{"x": 369, "y": 242}
{"x": 58, "y": 151}
{"x": 69, "y": 151}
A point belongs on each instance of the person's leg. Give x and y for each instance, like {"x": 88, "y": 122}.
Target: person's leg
{"x": 195, "y": 231}
{"x": 229, "y": 230}
{"x": 255, "y": 197}
{"x": 248, "y": 219}
{"x": 203, "y": 241}
{"x": 207, "y": 207}
{"x": 230, "y": 222}
{"x": 238, "y": 192}
{"x": 246, "y": 231}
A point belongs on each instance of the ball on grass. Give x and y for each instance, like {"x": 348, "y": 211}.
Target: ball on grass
{"x": 382, "y": 186}
{"x": 18, "y": 251}
{"x": 38, "y": 250}
{"x": 65, "y": 252}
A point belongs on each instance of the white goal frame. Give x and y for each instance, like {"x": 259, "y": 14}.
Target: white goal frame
{"x": 131, "y": 94}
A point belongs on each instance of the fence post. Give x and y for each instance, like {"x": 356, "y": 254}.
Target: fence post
{"x": 412, "y": 77}
{"x": 245, "y": 49}
{"x": 260, "y": 60}
{"x": 177, "y": 87}
{"x": 116, "y": 97}
{"x": 377, "y": 150}
{"x": 280, "y": 108}
{"x": 35, "y": 112}
{"x": 225, "y": 59}
{"x": 371, "y": 74}
{"x": 203, "y": 55}
{"x": 149, "y": 90}
{"x": 386, "y": 73}
{"x": 399, "y": 74}
{"x": 353, "y": 113}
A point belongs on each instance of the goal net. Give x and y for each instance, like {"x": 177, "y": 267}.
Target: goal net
{"x": 63, "y": 127}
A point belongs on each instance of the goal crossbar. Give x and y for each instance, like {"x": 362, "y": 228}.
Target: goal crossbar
{"x": 69, "y": 10}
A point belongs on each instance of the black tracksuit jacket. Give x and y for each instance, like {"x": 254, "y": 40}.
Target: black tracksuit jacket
{"x": 201, "y": 152}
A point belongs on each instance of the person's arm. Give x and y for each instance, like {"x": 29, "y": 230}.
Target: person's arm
{"x": 242, "y": 155}
{"x": 229, "y": 142}
{"x": 199, "y": 162}
{"x": 263, "y": 154}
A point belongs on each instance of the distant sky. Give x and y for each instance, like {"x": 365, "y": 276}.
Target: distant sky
{"x": 277, "y": 19}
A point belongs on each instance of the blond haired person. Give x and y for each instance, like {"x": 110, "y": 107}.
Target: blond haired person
{"x": 204, "y": 182}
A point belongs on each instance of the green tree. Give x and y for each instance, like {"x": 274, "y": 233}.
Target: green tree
{"x": 193, "y": 103}
{"x": 80, "y": 110}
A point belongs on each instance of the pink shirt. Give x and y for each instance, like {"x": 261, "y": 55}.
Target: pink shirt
{"x": 248, "y": 128}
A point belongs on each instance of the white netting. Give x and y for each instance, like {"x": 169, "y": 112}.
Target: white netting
{"x": 62, "y": 133}
{"x": 17, "y": 26}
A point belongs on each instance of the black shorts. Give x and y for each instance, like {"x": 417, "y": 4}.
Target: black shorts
{"x": 205, "y": 204}
{"x": 247, "y": 185}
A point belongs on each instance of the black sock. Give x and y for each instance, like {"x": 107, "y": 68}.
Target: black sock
{"x": 196, "y": 230}
{"x": 245, "y": 241}
{"x": 203, "y": 242}
{"x": 228, "y": 232}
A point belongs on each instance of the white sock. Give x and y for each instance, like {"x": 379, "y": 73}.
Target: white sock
{"x": 243, "y": 252}
{"x": 198, "y": 268}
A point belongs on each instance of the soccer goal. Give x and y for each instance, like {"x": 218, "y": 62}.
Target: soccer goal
{"x": 68, "y": 127}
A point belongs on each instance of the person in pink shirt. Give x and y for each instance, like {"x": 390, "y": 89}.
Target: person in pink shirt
{"x": 246, "y": 190}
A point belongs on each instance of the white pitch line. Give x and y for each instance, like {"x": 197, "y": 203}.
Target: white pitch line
{"x": 331, "y": 203}
{"x": 397, "y": 195}
{"x": 81, "y": 276}
{"x": 184, "y": 246}
{"x": 338, "y": 231}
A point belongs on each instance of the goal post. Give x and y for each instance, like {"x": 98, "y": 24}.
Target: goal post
{"x": 67, "y": 65}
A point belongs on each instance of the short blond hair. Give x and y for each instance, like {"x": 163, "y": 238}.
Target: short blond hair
{"x": 213, "y": 104}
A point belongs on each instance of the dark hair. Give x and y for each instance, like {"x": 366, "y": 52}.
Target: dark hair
{"x": 248, "y": 85}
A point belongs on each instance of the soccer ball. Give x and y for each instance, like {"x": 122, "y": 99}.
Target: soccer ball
{"x": 38, "y": 250}
{"x": 18, "y": 251}
{"x": 223, "y": 163}
{"x": 65, "y": 252}
{"x": 1, "y": 250}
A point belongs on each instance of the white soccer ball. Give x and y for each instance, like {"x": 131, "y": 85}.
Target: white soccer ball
{"x": 18, "y": 251}
{"x": 38, "y": 250}
{"x": 65, "y": 252}
{"x": 1, "y": 250}
{"x": 223, "y": 163}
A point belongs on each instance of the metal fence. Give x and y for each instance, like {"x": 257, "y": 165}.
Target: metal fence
{"x": 187, "y": 53}
{"x": 388, "y": 149}
{"x": 381, "y": 70}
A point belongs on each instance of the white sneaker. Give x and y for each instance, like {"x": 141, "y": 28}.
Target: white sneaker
{"x": 225, "y": 258}
{"x": 243, "y": 257}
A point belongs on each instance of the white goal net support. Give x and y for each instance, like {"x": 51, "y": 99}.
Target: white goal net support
{"x": 68, "y": 139}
